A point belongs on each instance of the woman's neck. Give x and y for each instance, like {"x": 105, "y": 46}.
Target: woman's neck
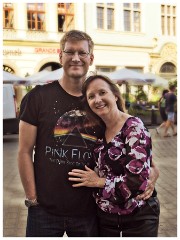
{"x": 114, "y": 120}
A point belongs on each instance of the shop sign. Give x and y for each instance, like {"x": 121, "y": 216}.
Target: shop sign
{"x": 41, "y": 50}
{"x": 16, "y": 52}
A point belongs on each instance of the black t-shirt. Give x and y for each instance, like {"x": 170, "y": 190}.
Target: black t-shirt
{"x": 170, "y": 101}
{"x": 65, "y": 140}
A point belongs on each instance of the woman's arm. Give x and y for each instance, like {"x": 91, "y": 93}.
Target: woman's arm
{"x": 137, "y": 169}
{"x": 153, "y": 176}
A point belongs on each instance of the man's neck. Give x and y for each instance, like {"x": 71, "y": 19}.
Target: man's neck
{"x": 71, "y": 86}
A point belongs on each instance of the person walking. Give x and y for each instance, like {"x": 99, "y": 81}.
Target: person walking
{"x": 56, "y": 136}
{"x": 162, "y": 110}
{"x": 171, "y": 99}
{"x": 123, "y": 157}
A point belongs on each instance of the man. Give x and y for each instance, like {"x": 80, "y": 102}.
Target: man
{"x": 170, "y": 102}
{"x": 54, "y": 124}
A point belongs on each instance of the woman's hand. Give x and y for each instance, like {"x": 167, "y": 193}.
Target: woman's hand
{"x": 88, "y": 178}
{"x": 154, "y": 174}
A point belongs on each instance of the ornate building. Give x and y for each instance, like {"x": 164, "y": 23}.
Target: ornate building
{"x": 139, "y": 36}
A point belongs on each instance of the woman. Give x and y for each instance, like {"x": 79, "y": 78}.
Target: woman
{"x": 123, "y": 159}
{"x": 162, "y": 110}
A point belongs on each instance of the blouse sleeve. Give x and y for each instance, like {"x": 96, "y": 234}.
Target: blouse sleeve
{"x": 138, "y": 155}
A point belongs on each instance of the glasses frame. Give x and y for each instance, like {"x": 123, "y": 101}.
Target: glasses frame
{"x": 71, "y": 54}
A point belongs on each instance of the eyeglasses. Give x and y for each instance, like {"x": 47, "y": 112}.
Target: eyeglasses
{"x": 81, "y": 54}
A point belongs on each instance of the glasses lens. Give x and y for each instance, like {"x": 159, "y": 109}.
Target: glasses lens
{"x": 83, "y": 54}
{"x": 80, "y": 54}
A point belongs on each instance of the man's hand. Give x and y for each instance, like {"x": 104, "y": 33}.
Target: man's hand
{"x": 153, "y": 176}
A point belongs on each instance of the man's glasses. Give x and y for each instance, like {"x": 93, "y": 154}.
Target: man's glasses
{"x": 81, "y": 54}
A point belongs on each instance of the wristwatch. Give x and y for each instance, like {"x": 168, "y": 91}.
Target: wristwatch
{"x": 31, "y": 203}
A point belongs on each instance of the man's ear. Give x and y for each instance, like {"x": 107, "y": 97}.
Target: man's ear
{"x": 91, "y": 59}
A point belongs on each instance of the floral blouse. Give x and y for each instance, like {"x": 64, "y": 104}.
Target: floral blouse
{"x": 125, "y": 163}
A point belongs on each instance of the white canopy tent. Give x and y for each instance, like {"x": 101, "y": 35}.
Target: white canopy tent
{"x": 13, "y": 79}
{"x": 158, "y": 81}
{"x": 37, "y": 76}
{"x": 130, "y": 77}
{"x": 54, "y": 75}
{"x": 45, "y": 76}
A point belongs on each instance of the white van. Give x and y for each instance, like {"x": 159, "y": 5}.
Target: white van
{"x": 10, "y": 113}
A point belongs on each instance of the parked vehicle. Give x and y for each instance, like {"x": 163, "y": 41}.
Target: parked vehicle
{"x": 10, "y": 111}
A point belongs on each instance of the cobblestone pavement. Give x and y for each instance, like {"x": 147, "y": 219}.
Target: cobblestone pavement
{"x": 164, "y": 155}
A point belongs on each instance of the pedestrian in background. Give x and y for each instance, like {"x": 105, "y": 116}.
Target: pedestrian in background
{"x": 171, "y": 99}
{"x": 162, "y": 110}
{"x": 54, "y": 124}
{"x": 123, "y": 158}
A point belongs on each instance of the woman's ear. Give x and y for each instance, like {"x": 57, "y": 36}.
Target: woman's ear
{"x": 91, "y": 59}
{"x": 60, "y": 57}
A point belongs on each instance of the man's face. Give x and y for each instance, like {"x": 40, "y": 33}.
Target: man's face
{"x": 74, "y": 59}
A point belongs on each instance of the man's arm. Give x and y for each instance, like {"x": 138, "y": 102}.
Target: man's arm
{"x": 27, "y": 139}
{"x": 154, "y": 174}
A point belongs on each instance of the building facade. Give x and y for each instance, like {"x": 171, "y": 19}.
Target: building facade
{"x": 138, "y": 36}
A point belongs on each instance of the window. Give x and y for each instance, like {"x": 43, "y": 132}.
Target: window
{"x": 174, "y": 10}
{"x": 100, "y": 17}
{"x": 136, "y": 69}
{"x": 168, "y": 68}
{"x": 163, "y": 25}
{"x": 65, "y": 16}
{"x": 105, "y": 69}
{"x": 8, "y": 69}
{"x": 174, "y": 26}
{"x": 136, "y": 5}
{"x": 136, "y": 21}
{"x": 168, "y": 25}
{"x": 110, "y": 18}
{"x": 162, "y": 9}
{"x": 132, "y": 17}
{"x": 127, "y": 5}
{"x": 8, "y": 14}
{"x": 36, "y": 16}
{"x": 105, "y": 16}
{"x": 168, "y": 20}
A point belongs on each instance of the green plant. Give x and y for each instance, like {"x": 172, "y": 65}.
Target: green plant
{"x": 140, "y": 94}
{"x": 173, "y": 83}
{"x": 29, "y": 88}
{"x": 128, "y": 97}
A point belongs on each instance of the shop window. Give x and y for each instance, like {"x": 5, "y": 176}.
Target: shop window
{"x": 50, "y": 66}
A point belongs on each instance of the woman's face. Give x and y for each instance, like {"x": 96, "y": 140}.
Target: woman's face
{"x": 100, "y": 98}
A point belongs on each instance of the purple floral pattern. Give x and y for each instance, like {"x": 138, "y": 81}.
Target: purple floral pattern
{"x": 125, "y": 163}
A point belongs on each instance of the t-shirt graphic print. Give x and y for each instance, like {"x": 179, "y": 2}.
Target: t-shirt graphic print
{"x": 73, "y": 140}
